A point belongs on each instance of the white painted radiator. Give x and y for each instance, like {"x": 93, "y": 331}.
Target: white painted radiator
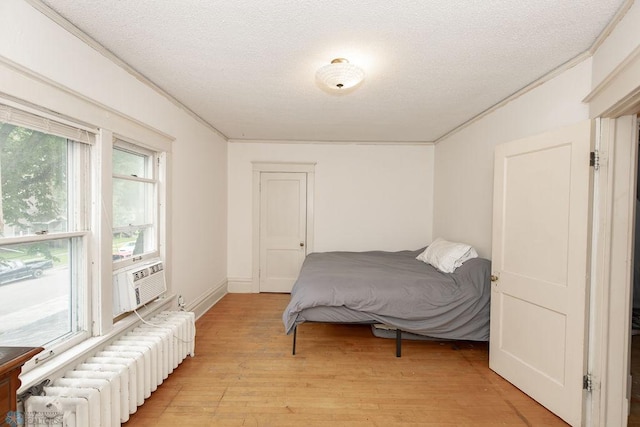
{"x": 110, "y": 384}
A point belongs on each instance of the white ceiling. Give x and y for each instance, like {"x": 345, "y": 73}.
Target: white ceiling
{"x": 247, "y": 67}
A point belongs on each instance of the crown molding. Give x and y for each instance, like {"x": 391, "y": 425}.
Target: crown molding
{"x": 327, "y": 142}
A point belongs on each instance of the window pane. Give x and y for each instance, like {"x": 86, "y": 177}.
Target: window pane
{"x": 33, "y": 181}
{"x": 131, "y": 164}
{"x": 129, "y": 243}
{"x": 133, "y": 203}
{"x": 36, "y": 289}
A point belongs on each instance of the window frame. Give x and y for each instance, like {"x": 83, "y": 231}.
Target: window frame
{"x": 102, "y": 122}
{"x": 80, "y": 145}
{"x": 154, "y": 165}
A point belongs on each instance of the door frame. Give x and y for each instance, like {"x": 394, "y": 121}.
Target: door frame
{"x": 612, "y": 272}
{"x": 282, "y": 167}
{"x": 615, "y": 102}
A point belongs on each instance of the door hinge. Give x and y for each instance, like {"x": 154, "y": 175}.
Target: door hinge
{"x": 594, "y": 159}
{"x": 587, "y": 383}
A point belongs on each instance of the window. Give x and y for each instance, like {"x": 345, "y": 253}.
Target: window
{"x": 135, "y": 203}
{"x": 44, "y": 188}
{"x": 56, "y": 234}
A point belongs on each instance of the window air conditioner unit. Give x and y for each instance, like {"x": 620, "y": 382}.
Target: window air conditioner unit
{"x": 137, "y": 285}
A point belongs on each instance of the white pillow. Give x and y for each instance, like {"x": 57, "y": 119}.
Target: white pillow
{"x": 447, "y": 256}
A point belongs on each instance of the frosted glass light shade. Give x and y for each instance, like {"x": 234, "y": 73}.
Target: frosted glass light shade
{"x": 340, "y": 74}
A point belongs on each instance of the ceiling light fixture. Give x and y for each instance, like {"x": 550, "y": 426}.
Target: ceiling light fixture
{"x": 340, "y": 74}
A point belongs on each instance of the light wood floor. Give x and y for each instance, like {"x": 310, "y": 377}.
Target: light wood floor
{"x": 244, "y": 374}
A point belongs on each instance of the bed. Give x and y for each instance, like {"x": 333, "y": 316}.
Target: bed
{"x": 393, "y": 289}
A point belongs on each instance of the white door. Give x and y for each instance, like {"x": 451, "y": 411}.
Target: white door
{"x": 283, "y": 225}
{"x": 540, "y": 241}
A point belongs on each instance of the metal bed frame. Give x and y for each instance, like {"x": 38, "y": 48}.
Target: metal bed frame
{"x": 398, "y": 338}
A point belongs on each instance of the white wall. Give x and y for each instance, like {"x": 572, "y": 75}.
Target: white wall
{"x": 464, "y": 161}
{"x": 198, "y": 190}
{"x": 367, "y": 197}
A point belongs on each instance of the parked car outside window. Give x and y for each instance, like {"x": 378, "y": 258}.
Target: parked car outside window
{"x": 11, "y": 271}
{"x": 127, "y": 249}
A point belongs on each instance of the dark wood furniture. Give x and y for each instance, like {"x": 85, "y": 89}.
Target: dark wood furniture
{"x": 11, "y": 361}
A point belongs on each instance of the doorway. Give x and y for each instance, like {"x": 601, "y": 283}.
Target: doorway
{"x": 282, "y": 212}
{"x": 283, "y": 229}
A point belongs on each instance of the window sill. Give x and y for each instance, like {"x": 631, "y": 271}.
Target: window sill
{"x": 65, "y": 361}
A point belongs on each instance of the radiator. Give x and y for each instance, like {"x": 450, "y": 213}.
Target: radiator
{"x": 108, "y": 386}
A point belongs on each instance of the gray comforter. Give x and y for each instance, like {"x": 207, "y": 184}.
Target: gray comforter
{"x": 397, "y": 290}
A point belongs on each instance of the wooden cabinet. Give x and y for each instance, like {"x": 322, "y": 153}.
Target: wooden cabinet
{"x": 11, "y": 361}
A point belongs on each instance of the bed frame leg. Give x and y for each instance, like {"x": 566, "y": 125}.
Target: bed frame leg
{"x": 295, "y": 332}
{"x": 398, "y": 343}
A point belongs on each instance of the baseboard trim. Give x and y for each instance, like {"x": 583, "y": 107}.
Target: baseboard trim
{"x": 207, "y": 300}
{"x": 240, "y": 285}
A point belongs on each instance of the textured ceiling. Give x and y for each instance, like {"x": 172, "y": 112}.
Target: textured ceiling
{"x": 247, "y": 67}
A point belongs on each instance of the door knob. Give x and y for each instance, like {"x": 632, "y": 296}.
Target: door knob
{"x": 494, "y": 278}
{"x": 302, "y": 244}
